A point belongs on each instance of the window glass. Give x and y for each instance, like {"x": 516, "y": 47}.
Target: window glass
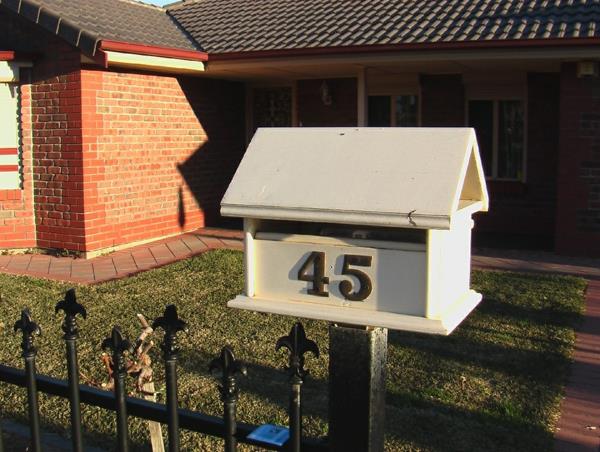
{"x": 272, "y": 107}
{"x": 406, "y": 111}
{"x": 380, "y": 111}
{"x": 510, "y": 139}
{"x": 481, "y": 118}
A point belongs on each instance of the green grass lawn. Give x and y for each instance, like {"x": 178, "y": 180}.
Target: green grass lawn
{"x": 494, "y": 384}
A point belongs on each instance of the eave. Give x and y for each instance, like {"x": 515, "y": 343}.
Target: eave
{"x": 150, "y": 58}
{"x": 407, "y": 47}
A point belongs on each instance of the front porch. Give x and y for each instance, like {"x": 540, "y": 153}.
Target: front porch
{"x": 538, "y": 158}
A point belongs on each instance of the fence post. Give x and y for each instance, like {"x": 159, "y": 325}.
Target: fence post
{"x": 171, "y": 324}
{"x": 71, "y": 308}
{"x": 118, "y": 344}
{"x": 229, "y": 368}
{"x": 357, "y": 360}
{"x": 29, "y": 329}
{"x": 297, "y": 344}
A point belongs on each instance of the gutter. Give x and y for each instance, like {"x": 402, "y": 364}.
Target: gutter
{"x": 408, "y": 47}
{"x": 143, "y": 49}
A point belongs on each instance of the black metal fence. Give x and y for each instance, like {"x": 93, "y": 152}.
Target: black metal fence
{"x": 176, "y": 418}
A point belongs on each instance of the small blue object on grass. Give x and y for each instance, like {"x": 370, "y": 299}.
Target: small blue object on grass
{"x": 270, "y": 434}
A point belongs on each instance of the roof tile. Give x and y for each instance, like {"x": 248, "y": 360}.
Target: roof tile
{"x": 224, "y": 26}
{"x": 118, "y": 20}
{"x": 243, "y": 24}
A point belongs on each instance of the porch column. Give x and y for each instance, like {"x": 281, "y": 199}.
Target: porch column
{"x": 361, "y": 97}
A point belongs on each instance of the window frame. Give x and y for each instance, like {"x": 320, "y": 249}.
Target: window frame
{"x": 393, "y": 95}
{"x": 249, "y": 88}
{"x": 496, "y": 99}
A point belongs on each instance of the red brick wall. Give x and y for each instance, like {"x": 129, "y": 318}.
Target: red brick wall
{"x": 343, "y": 110}
{"x": 158, "y": 153}
{"x": 116, "y": 157}
{"x": 578, "y": 215}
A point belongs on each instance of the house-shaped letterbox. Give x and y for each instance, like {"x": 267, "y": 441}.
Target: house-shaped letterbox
{"x": 363, "y": 226}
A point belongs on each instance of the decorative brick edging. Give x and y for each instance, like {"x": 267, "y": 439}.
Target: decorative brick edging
{"x": 120, "y": 264}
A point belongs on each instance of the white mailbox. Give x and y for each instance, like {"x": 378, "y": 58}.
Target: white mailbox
{"x": 362, "y": 226}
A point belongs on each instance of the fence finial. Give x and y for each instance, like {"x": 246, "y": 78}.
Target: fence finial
{"x": 171, "y": 324}
{"x": 118, "y": 344}
{"x": 298, "y": 344}
{"x": 229, "y": 368}
{"x": 71, "y": 308}
{"x": 29, "y": 329}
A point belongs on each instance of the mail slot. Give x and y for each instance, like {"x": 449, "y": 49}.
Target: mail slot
{"x": 360, "y": 226}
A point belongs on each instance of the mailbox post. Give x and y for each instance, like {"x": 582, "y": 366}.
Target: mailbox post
{"x": 360, "y": 226}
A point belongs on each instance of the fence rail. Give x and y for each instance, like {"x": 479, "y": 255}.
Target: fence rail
{"x": 176, "y": 418}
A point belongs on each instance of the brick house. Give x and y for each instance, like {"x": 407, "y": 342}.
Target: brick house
{"x": 127, "y": 121}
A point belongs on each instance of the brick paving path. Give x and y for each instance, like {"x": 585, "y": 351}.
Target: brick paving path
{"x": 579, "y": 424}
{"x": 123, "y": 263}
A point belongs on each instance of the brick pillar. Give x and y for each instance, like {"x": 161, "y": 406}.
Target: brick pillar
{"x": 56, "y": 143}
{"x": 442, "y": 101}
{"x": 578, "y": 210}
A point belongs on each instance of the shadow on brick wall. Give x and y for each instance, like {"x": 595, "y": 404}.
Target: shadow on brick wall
{"x": 219, "y": 106}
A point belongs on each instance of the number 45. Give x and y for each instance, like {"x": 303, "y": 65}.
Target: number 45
{"x": 317, "y": 277}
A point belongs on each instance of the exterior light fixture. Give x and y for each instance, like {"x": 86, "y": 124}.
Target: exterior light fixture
{"x": 325, "y": 94}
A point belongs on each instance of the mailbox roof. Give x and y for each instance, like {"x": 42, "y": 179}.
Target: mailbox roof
{"x": 399, "y": 177}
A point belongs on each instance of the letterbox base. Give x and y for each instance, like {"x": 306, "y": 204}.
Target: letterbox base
{"x": 443, "y": 325}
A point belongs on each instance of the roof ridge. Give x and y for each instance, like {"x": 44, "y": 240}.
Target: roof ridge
{"x": 147, "y": 5}
{"x": 177, "y": 3}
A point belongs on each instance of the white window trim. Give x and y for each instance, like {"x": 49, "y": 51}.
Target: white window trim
{"x": 495, "y": 135}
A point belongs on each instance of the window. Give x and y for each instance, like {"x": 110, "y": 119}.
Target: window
{"x": 9, "y": 136}
{"x": 272, "y": 107}
{"x": 499, "y": 125}
{"x": 393, "y": 111}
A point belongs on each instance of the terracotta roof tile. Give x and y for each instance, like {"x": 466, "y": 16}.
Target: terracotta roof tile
{"x": 118, "y": 20}
{"x": 223, "y": 26}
